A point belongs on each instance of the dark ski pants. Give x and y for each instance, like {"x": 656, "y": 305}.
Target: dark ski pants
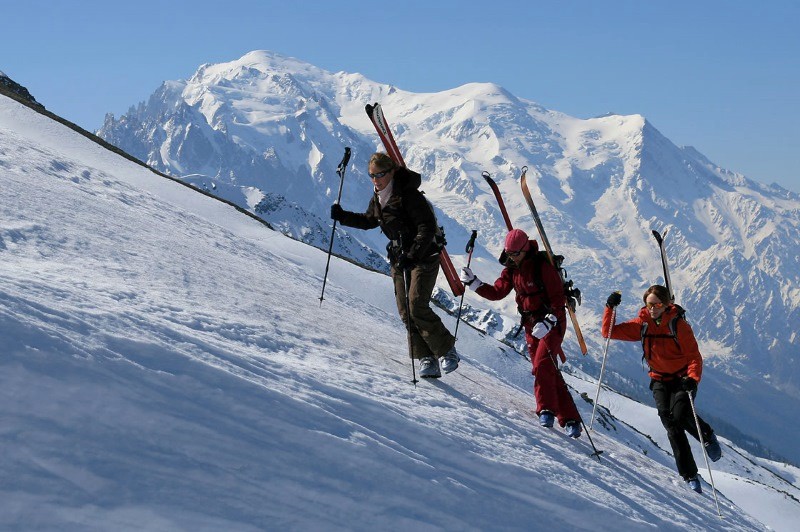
{"x": 676, "y": 416}
{"x": 429, "y": 336}
{"x": 549, "y": 389}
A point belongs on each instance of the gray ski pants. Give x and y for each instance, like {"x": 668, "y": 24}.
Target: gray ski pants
{"x": 429, "y": 336}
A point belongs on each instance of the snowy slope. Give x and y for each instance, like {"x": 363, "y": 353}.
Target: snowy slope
{"x": 166, "y": 365}
{"x": 275, "y": 124}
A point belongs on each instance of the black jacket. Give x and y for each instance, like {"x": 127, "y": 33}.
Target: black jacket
{"x": 407, "y": 218}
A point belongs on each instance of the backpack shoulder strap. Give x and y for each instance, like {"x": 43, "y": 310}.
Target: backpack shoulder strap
{"x": 673, "y": 329}
{"x": 540, "y": 258}
{"x": 673, "y": 323}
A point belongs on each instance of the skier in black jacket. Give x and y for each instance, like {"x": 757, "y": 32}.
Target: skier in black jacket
{"x": 400, "y": 209}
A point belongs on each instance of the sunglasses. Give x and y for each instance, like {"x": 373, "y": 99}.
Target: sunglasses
{"x": 654, "y": 305}
{"x": 380, "y": 174}
{"x": 513, "y": 253}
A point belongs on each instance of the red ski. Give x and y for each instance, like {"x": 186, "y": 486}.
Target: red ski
{"x": 375, "y": 114}
{"x": 499, "y": 199}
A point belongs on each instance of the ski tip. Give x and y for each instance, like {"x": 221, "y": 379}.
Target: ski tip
{"x": 659, "y": 237}
{"x": 370, "y": 108}
{"x": 345, "y": 160}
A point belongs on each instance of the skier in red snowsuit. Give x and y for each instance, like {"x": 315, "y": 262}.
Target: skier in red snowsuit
{"x": 541, "y": 302}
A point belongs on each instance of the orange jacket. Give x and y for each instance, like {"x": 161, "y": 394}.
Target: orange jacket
{"x": 666, "y": 357}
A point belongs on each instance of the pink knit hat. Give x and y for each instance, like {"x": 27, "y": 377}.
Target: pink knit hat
{"x": 517, "y": 240}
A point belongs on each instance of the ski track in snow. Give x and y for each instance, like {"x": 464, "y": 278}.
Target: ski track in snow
{"x": 167, "y": 365}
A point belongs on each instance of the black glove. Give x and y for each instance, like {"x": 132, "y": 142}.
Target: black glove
{"x": 337, "y": 212}
{"x": 404, "y": 262}
{"x": 614, "y": 299}
{"x": 688, "y": 384}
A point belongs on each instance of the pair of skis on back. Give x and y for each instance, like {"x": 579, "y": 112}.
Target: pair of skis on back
{"x": 572, "y": 293}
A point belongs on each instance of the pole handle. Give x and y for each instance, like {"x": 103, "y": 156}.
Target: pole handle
{"x": 470, "y": 247}
{"x": 342, "y": 165}
{"x": 471, "y": 243}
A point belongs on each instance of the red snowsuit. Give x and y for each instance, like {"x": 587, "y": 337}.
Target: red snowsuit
{"x": 534, "y": 302}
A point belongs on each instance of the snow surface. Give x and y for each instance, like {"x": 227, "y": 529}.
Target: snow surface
{"x": 167, "y": 365}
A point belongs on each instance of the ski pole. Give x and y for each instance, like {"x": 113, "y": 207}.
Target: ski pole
{"x": 407, "y": 288}
{"x": 705, "y": 455}
{"x": 340, "y": 171}
{"x": 469, "y": 249}
{"x": 603, "y": 366}
{"x": 596, "y": 453}
{"x": 407, "y": 283}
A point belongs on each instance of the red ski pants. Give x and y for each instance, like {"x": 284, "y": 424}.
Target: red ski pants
{"x": 549, "y": 389}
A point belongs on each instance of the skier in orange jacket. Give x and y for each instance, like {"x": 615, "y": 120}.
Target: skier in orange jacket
{"x": 676, "y": 368}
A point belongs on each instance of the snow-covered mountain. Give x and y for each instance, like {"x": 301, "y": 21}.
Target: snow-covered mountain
{"x": 166, "y": 366}
{"x": 275, "y": 127}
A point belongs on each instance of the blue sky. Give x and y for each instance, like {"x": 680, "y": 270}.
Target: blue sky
{"x": 722, "y": 76}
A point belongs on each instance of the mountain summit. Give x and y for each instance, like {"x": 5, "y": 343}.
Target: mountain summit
{"x": 266, "y": 131}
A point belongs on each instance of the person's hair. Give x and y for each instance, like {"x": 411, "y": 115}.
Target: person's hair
{"x": 659, "y": 291}
{"x": 382, "y": 161}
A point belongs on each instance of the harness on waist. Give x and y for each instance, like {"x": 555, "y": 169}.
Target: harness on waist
{"x": 533, "y": 316}
{"x": 671, "y": 376}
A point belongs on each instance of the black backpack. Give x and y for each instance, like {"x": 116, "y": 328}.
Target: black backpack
{"x": 572, "y": 293}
